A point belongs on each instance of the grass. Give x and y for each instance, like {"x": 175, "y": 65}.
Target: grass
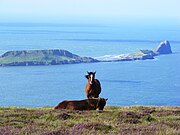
{"x": 113, "y": 120}
{"x": 41, "y": 56}
{"x": 32, "y": 58}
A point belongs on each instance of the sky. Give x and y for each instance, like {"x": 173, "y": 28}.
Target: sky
{"x": 89, "y": 10}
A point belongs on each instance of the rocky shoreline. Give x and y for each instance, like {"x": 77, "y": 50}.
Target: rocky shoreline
{"x": 58, "y": 57}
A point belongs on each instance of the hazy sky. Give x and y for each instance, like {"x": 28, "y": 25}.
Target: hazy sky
{"x": 55, "y": 10}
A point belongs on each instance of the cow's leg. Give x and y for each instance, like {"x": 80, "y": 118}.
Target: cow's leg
{"x": 88, "y": 95}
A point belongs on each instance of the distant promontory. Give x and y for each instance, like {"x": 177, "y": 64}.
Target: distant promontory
{"x": 58, "y": 57}
{"x": 163, "y": 48}
{"x": 41, "y": 57}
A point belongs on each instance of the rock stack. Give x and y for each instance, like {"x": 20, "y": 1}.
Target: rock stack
{"x": 163, "y": 48}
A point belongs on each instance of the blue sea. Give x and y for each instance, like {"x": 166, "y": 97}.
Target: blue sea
{"x": 148, "y": 82}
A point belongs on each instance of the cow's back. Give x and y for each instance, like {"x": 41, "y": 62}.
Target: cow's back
{"x": 87, "y": 104}
{"x": 79, "y": 105}
{"x": 61, "y": 105}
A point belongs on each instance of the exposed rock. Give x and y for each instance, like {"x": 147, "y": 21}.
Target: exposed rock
{"x": 142, "y": 55}
{"x": 163, "y": 48}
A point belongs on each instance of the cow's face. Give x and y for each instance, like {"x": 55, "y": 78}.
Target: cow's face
{"x": 90, "y": 76}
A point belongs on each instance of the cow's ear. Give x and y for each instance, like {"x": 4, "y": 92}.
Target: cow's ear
{"x": 106, "y": 99}
{"x": 95, "y": 72}
{"x": 87, "y": 76}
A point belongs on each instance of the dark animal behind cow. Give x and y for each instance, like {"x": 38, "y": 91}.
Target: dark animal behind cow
{"x": 87, "y": 104}
{"x": 93, "y": 86}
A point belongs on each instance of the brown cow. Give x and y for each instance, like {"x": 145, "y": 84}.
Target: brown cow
{"x": 93, "y": 86}
{"x": 87, "y": 104}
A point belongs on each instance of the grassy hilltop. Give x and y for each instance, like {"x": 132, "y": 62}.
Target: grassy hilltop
{"x": 113, "y": 120}
{"x": 41, "y": 57}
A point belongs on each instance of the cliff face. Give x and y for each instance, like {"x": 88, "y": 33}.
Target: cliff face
{"x": 163, "y": 48}
{"x": 41, "y": 57}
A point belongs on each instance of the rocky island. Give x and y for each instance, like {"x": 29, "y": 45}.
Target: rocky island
{"x": 41, "y": 57}
{"x": 163, "y": 48}
{"x": 57, "y": 57}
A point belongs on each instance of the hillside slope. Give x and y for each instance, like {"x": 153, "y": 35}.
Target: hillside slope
{"x": 41, "y": 57}
{"x": 137, "y": 120}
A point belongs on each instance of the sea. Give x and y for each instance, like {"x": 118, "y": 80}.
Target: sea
{"x": 133, "y": 83}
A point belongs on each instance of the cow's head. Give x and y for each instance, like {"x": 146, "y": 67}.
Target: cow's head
{"x": 90, "y": 76}
{"x": 101, "y": 103}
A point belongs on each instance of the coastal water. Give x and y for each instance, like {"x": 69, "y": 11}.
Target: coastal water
{"x": 149, "y": 82}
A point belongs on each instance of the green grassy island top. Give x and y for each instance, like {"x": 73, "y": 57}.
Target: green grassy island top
{"x": 41, "y": 57}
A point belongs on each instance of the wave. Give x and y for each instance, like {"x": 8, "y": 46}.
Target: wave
{"x": 117, "y": 40}
{"x": 119, "y": 57}
{"x": 111, "y": 57}
{"x": 109, "y": 40}
{"x": 45, "y": 32}
{"x": 51, "y": 25}
{"x": 123, "y": 81}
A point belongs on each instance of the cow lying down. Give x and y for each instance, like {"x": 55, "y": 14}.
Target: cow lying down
{"x": 87, "y": 104}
